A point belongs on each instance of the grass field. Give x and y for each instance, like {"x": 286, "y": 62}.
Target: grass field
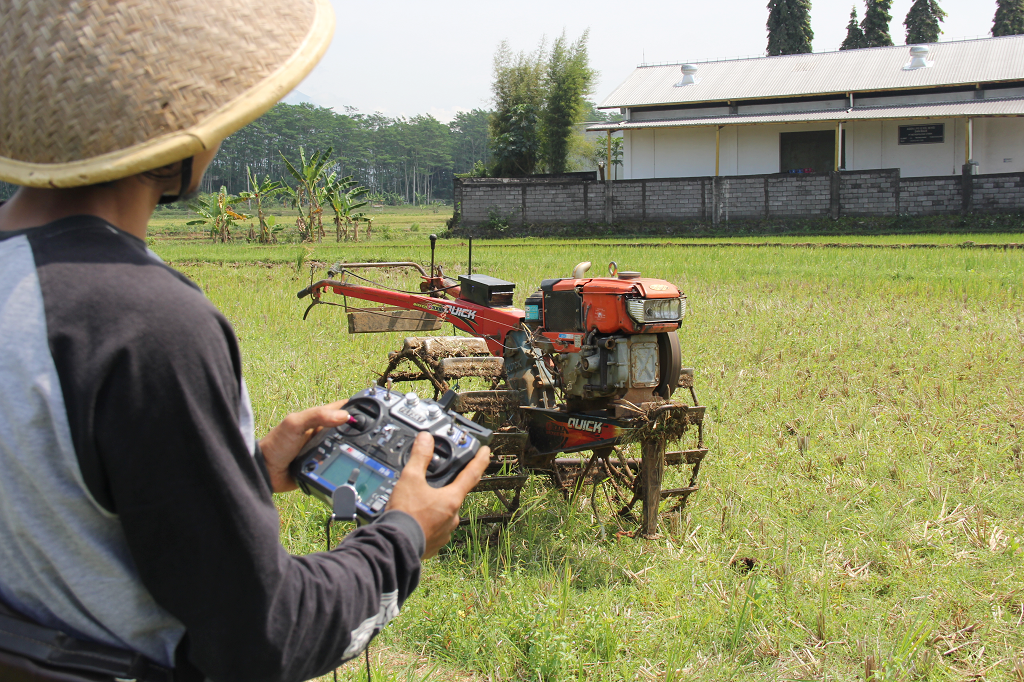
{"x": 389, "y": 222}
{"x": 893, "y": 541}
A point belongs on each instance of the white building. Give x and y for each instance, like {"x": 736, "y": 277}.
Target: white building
{"x": 926, "y": 110}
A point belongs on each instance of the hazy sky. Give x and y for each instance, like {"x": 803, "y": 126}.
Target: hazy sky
{"x": 434, "y": 57}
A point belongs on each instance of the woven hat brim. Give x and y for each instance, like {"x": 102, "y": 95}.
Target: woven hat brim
{"x": 182, "y": 144}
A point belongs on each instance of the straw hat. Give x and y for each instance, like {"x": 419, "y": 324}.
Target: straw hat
{"x": 95, "y": 90}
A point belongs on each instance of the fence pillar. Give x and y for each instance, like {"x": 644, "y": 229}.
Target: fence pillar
{"x": 834, "y": 187}
{"x": 586, "y": 201}
{"x": 456, "y": 201}
{"x": 896, "y": 179}
{"x": 716, "y": 200}
{"x": 609, "y": 209}
{"x": 643, "y": 201}
{"x": 767, "y": 206}
{"x": 967, "y": 189}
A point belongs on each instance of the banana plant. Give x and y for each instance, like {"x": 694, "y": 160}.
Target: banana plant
{"x": 342, "y": 194}
{"x": 259, "y": 191}
{"x": 216, "y": 213}
{"x": 309, "y": 174}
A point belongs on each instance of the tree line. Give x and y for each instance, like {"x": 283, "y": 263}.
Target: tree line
{"x": 397, "y": 160}
{"x": 540, "y": 99}
{"x": 789, "y": 24}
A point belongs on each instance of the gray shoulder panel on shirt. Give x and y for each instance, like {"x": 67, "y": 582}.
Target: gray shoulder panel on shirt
{"x": 63, "y": 559}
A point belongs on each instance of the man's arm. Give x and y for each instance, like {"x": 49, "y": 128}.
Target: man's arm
{"x": 201, "y": 526}
{"x": 434, "y": 510}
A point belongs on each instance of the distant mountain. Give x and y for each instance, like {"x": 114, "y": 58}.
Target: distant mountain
{"x": 296, "y": 97}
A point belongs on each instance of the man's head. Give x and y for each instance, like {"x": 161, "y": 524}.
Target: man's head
{"x": 95, "y": 92}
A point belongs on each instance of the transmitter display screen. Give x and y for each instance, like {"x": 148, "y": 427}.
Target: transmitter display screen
{"x": 371, "y": 473}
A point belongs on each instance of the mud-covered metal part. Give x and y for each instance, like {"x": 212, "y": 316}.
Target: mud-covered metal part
{"x": 536, "y": 439}
{"x": 526, "y": 372}
{"x": 457, "y": 368}
{"x": 487, "y": 401}
{"x": 629, "y": 480}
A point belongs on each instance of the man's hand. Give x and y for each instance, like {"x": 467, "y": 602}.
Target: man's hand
{"x": 436, "y": 509}
{"x": 284, "y": 441}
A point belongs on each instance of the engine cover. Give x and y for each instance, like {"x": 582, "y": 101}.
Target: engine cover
{"x": 638, "y": 305}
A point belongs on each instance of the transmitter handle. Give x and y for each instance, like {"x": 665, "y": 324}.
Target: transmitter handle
{"x": 344, "y": 502}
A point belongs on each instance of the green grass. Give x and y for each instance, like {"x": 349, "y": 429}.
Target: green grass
{"x": 893, "y": 540}
{"x": 389, "y": 223}
{"x": 758, "y": 229}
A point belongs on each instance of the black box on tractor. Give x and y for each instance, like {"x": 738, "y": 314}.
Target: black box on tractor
{"x": 487, "y": 290}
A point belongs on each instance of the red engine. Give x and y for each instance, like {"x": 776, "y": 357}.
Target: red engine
{"x": 609, "y": 337}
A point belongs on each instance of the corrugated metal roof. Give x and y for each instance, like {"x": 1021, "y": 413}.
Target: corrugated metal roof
{"x": 871, "y": 69}
{"x": 991, "y": 107}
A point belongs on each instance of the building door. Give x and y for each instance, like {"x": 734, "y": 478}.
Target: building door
{"x": 809, "y": 152}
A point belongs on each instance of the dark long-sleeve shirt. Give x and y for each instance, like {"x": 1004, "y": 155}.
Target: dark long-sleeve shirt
{"x": 135, "y": 508}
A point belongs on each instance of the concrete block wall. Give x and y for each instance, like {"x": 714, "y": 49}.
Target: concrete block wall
{"x": 477, "y": 203}
{"x": 628, "y": 201}
{"x": 741, "y": 198}
{"x": 931, "y": 196}
{"x": 798, "y": 196}
{"x": 1000, "y": 193}
{"x": 674, "y": 199}
{"x": 595, "y": 202}
{"x": 554, "y": 203}
{"x": 869, "y": 193}
{"x": 847, "y": 193}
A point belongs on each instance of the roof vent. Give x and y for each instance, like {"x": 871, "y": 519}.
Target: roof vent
{"x": 689, "y": 75}
{"x": 919, "y": 58}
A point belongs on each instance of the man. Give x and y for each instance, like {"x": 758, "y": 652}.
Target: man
{"x": 136, "y": 517}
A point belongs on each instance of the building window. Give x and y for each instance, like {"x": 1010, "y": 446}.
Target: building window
{"x": 809, "y": 152}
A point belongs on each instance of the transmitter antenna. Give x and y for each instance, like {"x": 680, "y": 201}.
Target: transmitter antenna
{"x": 433, "y": 243}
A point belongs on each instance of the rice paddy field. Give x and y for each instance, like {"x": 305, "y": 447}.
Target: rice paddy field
{"x": 888, "y": 548}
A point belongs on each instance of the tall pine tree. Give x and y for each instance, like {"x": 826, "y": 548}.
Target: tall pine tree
{"x": 922, "y": 22}
{"x": 876, "y": 23}
{"x": 1009, "y": 19}
{"x": 789, "y": 27}
{"x": 854, "y": 35}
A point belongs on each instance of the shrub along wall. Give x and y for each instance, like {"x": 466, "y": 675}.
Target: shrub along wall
{"x": 517, "y": 202}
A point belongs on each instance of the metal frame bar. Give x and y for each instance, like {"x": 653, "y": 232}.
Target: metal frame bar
{"x": 388, "y": 264}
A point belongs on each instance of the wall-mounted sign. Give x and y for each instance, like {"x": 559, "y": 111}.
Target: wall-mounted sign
{"x": 927, "y": 133}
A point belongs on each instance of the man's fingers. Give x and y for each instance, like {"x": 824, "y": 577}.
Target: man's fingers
{"x": 420, "y": 455}
{"x": 324, "y": 415}
{"x": 470, "y": 476}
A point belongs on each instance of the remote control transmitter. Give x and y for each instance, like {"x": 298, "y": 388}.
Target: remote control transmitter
{"x": 369, "y": 452}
